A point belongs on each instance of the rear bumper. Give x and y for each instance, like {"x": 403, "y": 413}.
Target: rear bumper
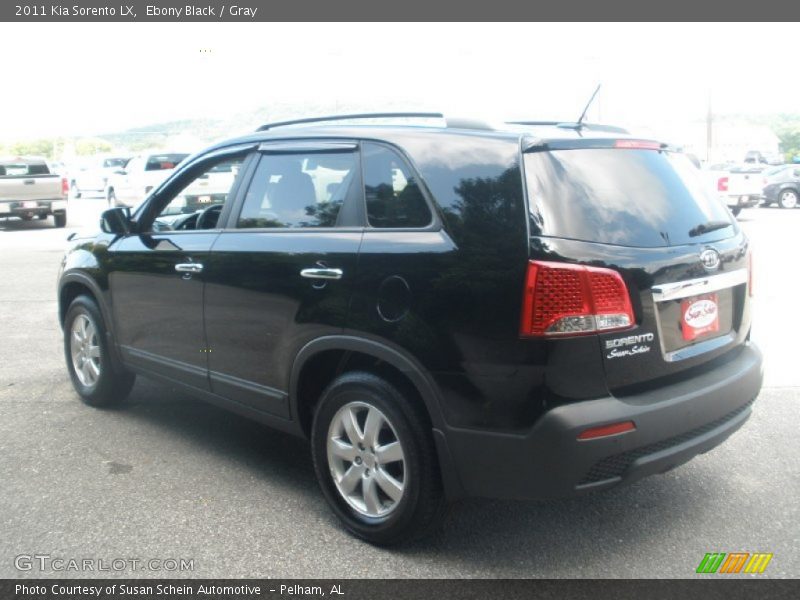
{"x": 744, "y": 201}
{"x": 20, "y": 208}
{"x": 673, "y": 424}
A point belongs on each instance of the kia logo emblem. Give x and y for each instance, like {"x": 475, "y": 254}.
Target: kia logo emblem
{"x": 710, "y": 259}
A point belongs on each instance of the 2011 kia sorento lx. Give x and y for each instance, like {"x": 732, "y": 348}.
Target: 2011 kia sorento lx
{"x": 530, "y": 311}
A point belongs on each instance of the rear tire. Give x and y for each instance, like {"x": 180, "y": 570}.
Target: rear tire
{"x": 86, "y": 349}
{"x": 111, "y": 196}
{"x": 382, "y": 481}
{"x": 60, "y": 220}
{"x": 788, "y": 199}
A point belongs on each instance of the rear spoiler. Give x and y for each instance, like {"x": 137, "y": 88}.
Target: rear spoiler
{"x": 536, "y": 144}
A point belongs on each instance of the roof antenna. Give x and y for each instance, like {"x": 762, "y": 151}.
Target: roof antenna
{"x": 588, "y": 104}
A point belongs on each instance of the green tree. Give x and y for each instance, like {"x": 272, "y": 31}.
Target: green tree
{"x": 43, "y": 147}
{"x": 90, "y": 146}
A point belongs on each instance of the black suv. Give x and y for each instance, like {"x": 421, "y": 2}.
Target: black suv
{"x": 529, "y": 311}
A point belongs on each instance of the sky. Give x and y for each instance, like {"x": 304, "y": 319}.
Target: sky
{"x": 88, "y": 78}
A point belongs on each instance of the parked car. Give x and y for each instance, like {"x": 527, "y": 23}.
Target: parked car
{"x": 130, "y": 185}
{"x": 29, "y": 190}
{"x": 91, "y": 175}
{"x": 535, "y": 311}
{"x": 737, "y": 186}
{"x": 58, "y": 167}
{"x": 783, "y": 187}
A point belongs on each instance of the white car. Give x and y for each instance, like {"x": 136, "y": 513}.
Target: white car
{"x": 738, "y": 187}
{"x": 131, "y": 185}
{"x": 92, "y": 175}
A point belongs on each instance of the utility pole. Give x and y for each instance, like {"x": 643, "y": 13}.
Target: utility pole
{"x": 709, "y": 128}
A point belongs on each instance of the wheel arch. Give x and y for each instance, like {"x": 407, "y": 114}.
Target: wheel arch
{"x": 334, "y": 349}
{"x": 76, "y": 283}
{"x": 380, "y": 351}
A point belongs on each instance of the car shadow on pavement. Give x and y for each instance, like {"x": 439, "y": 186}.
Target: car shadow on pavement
{"x": 249, "y": 444}
{"x": 484, "y": 533}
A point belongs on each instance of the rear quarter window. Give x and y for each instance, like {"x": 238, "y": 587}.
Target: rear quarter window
{"x": 626, "y": 197}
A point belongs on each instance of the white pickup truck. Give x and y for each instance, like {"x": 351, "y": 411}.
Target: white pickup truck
{"x": 739, "y": 187}
{"x": 28, "y": 189}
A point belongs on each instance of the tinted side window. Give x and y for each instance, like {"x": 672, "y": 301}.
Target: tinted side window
{"x": 393, "y": 196}
{"x": 299, "y": 190}
{"x": 206, "y": 192}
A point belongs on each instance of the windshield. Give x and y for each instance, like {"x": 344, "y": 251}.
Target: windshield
{"x": 627, "y": 197}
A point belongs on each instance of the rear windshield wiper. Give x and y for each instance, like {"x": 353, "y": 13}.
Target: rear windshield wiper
{"x": 708, "y": 227}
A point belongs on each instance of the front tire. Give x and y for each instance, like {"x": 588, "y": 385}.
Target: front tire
{"x": 788, "y": 199}
{"x": 89, "y": 362}
{"x": 111, "y": 196}
{"x": 736, "y": 211}
{"x": 375, "y": 460}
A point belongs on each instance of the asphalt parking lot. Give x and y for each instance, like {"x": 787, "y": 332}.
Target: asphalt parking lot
{"x": 169, "y": 477}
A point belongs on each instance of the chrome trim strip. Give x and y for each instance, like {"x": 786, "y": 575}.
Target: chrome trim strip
{"x": 312, "y": 146}
{"x": 702, "y": 285}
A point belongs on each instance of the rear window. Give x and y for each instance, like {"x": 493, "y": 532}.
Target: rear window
{"x": 626, "y": 197}
{"x": 162, "y": 162}
{"x": 23, "y": 169}
{"x": 109, "y": 163}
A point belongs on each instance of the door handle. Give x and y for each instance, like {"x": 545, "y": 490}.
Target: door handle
{"x": 321, "y": 273}
{"x": 189, "y": 268}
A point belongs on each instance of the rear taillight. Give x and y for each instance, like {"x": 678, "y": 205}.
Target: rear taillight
{"x": 722, "y": 184}
{"x": 562, "y": 299}
{"x": 64, "y": 186}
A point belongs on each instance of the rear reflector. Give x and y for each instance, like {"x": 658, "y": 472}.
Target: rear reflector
{"x": 562, "y": 299}
{"x": 722, "y": 184}
{"x": 638, "y": 144}
{"x": 607, "y": 430}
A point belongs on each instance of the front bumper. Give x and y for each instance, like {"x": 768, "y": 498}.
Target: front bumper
{"x": 674, "y": 423}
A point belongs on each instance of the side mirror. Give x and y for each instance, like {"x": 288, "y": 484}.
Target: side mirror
{"x": 116, "y": 220}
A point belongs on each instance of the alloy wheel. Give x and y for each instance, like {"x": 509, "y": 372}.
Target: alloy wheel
{"x": 366, "y": 460}
{"x": 788, "y": 199}
{"x": 85, "y": 350}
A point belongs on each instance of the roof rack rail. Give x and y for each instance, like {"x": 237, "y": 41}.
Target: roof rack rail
{"x": 384, "y": 115}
